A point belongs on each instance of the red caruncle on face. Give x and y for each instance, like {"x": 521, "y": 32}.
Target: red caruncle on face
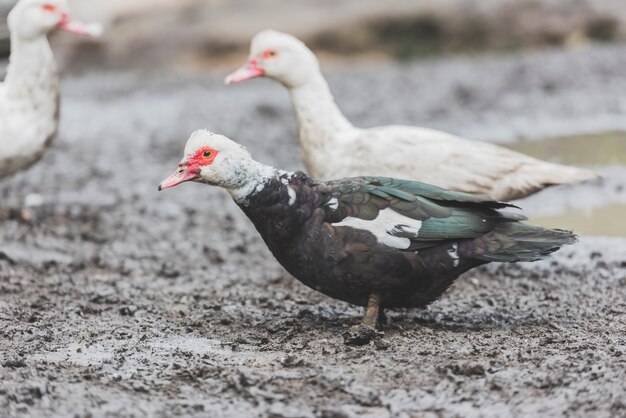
{"x": 204, "y": 156}
{"x": 269, "y": 53}
{"x": 49, "y": 7}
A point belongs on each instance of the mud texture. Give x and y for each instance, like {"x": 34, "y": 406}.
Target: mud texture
{"x": 118, "y": 300}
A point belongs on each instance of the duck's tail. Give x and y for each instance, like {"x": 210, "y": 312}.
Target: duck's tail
{"x": 517, "y": 241}
{"x": 533, "y": 177}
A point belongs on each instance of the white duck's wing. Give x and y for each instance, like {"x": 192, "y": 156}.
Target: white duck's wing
{"x": 454, "y": 163}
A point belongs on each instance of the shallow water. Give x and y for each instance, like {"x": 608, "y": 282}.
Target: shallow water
{"x": 601, "y": 149}
{"x": 605, "y": 221}
{"x": 594, "y": 150}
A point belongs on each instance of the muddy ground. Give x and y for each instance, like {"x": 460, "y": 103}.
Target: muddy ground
{"x": 118, "y": 300}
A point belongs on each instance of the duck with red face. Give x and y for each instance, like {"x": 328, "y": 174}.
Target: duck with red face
{"x": 370, "y": 241}
{"x": 29, "y": 96}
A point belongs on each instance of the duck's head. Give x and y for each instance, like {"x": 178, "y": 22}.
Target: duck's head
{"x": 212, "y": 159}
{"x": 279, "y": 56}
{"x": 31, "y": 19}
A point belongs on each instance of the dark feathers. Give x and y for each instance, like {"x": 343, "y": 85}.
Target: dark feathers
{"x": 406, "y": 240}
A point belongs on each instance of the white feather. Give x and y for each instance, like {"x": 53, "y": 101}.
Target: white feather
{"x": 384, "y": 225}
{"x": 333, "y": 203}
{"x": 454, "y": 254}
{"x": 292, "y": 195}
{"x": 29, "y": 95}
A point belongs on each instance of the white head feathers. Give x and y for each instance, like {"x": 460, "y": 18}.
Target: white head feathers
{"x": 284, "y": 58}
{"x": 222, "y": 162}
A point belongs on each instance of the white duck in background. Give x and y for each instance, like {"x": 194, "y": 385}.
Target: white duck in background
{"x": 29, "y": 96}
{"x": 332, "y": 147}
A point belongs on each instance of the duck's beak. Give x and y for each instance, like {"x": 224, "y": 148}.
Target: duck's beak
{"x": 183, "y": 174}
{"x": 248, "y": 71}
{"x": 71, "y": 25}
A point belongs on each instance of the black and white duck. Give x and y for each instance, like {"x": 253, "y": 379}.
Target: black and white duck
{"x": 370, "y": 241}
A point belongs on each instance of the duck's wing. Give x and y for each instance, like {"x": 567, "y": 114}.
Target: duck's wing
{"x": 406, "y": 214}
{"x": 455, "y": 163}
{"x": 412, "y": 216}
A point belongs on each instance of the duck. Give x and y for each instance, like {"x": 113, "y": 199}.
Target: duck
{"x": 333, "y": 147}
{"x": 29, "y": 95}
{"x": 371, "y": 241}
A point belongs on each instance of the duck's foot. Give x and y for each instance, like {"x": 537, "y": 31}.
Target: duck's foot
{"x": 366, "y": 331}
{"x": 361, "y": 335}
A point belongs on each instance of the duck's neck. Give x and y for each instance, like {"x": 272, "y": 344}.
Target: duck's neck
{"x": 258, "y": 176}
{"x": 319, "y": 119}
{"x": 32, "y": 77}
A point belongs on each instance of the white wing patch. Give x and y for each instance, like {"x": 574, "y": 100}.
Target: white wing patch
{"x": 333, "y": 203}
{"x": 384, "y": 225}
{"x": 454, "y": 254}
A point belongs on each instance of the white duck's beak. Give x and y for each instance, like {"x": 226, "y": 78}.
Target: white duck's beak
{"x": 71, "y": 25}
{"x": 183, "y": 174}
{"x": 248, "y": 71}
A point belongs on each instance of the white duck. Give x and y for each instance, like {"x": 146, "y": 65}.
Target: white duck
{"x": 332, "y": 147}
{"x": 29, "y": 96}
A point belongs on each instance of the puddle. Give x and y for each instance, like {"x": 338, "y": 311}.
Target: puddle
{"x": 602, "y": 221}
{"x": 597, "y": 150}
{"x": 608, "y": 148}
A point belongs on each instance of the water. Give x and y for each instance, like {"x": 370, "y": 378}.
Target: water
{"x": 605, "y": 221}
{"x": 607, "y": 148}
{"x": 596, "y": 150}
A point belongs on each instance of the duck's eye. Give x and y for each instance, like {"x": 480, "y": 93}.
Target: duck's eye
{"x": 203, "y": 156}
{"x": 270, "y": 53}
{"x": 48, "y": 7}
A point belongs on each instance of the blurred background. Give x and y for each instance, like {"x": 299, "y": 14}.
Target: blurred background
{"x": 545, "y": 77}
{"x": 205, "y": 33}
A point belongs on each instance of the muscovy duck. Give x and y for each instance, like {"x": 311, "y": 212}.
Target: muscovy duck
{"x": 29, "y": 96}
{"x": 370, "y": 241}
{"x": 332, "y": 147}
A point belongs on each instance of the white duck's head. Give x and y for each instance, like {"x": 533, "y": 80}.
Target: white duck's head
{"x": 213, "y": 159}
{"x": 279, "y": 56}
{"x": 32, "y": 19}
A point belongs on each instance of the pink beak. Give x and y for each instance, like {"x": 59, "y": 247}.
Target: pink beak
{"x": 251, "y": 70}
{"x": 70, "y": 25}
{"x": 183, "y": 174}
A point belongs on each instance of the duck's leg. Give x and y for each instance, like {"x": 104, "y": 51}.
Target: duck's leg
{"x": 364, "y": 332}
{"x": 372, "y": 310}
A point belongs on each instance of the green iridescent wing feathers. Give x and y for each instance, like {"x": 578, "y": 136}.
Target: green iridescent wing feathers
{"x": 445, "y": 214}
{"x": 408, "y": 190}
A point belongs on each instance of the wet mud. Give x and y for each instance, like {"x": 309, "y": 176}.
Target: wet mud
{"x": 118, "y": 300}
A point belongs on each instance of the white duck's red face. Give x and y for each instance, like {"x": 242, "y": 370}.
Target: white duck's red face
{"x": 31, "y": 19}
{"x": 212, "y": 159}
{"x": 279, "y": 56}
